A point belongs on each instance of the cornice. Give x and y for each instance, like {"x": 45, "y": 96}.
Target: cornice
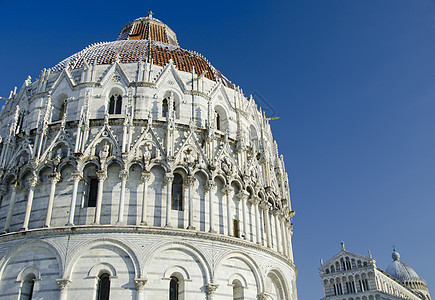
{"x": 126, "y": 229}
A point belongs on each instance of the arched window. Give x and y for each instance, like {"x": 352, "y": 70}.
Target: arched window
{"x": 58, "y": 107}
{"x": 115, "y": 104}
{"x": 92, "y": 192}
{"x": 348, "y": 264}
{"x": 103, "y": 289}
{"x": 173, "y": 288}
{"x": 217, "y": 120}
{"x": 27, "y": 287}
{"x": 236, "y": 230}
{"x": 177, "y": 192}
{"x": 20, "y": 122}
{"x": 220, "y": 118}
{"x": 238, "y": 290}
{"x": 165, "y": 108}
{"x": 61, "y": 111}
{"x": 253, "y": 138}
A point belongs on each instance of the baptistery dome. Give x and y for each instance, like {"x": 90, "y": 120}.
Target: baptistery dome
{"x": 133, "y": 169}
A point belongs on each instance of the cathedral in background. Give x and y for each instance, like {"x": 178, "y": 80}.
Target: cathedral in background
{"x": 351, "y": 276}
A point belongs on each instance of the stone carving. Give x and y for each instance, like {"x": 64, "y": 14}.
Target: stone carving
{"x": 63, "y": 284}
{"x": 104, "y": 153}
{"x": 146, "y": 154}
{"x": 211, "y": 288}
{"x": 189, "y": 156}
{"x": 226, "y": 165}
{"x": 264, "y": 296}
{"x": 140, "y": 283}
{"x": 92, "y": 198}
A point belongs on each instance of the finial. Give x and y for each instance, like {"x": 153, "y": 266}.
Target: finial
{"x": 150, "y": 14}
{"x": 370, "y": 254}
{"x": 395, "y": 255}
{"x": 342, "y": 246}
{"x": 321, "y": 261}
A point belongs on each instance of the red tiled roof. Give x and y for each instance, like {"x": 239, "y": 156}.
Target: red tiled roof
{"x": 146, "y": 39}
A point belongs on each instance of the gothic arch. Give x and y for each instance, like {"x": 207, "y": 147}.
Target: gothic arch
{"x": 221, "y": 177}
{"x": 9, "y": 177}
{"x": 221, "y": 117}
{"x": 66, "y": 145}
{"x": 182, "y": 170}
{"x": 238, "y": 182}
{"x": 162, "y": 165}
{"x": 112, "y": 89}
{"x": 177, "y": 99}
{"x": 113, "y": 160}
{"x": 201, "y": 171}
{"x": 134, "y": 162}
{"x": 58, "y": 104}
{"x": 24, "y": 171}
{"x": 65, "y": 164}
{"x": 81, "y": 168}
{"x": 42, "y": 167}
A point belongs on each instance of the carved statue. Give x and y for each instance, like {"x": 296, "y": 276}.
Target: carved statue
{"x": 146, "y": 154}
{"x": 190, "y": 158}
{"x": 59, "y": 154}
{"x": 104, "y": 153}
{"x": 226, "y": 165}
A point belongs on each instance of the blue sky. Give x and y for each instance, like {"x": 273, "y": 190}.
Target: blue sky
{"x": 353, "y": 83}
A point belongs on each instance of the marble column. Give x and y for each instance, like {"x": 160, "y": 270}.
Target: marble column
{"x": 63, "y": 287}
{"x": 190, "y": 182}
{"x": 209, "y": 187}
{"x": 123, "y": 175}
{"x": 242, "y": 196}
{"x": 265, "y": 207}
{"x": 33, "y": 181}
{"x": 76, "y": 177}
{"x": 210, "y": 289}
{"x": 255, "y": 206}
{"x": 277, "y": 231}
{"x": 289, "y": 240}
{"x": 54, "y": 179}
{"x": 227, "y": 191}
{"x": 283, "y": 235}
{"x": 140, "y": 287}
{"x": 102, "y": 176}
{"x": 168, "y": 181}
{"x": 145, "y": 177}
{"x": 14, "y": 188}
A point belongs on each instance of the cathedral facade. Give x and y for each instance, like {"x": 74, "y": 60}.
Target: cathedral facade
{"x": 134, "y": 169}
{"x": 351, "y": 276}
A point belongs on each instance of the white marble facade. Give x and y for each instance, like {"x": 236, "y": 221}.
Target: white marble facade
{"x": 351, "y": 276}
{"x": 179, "y": 177}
